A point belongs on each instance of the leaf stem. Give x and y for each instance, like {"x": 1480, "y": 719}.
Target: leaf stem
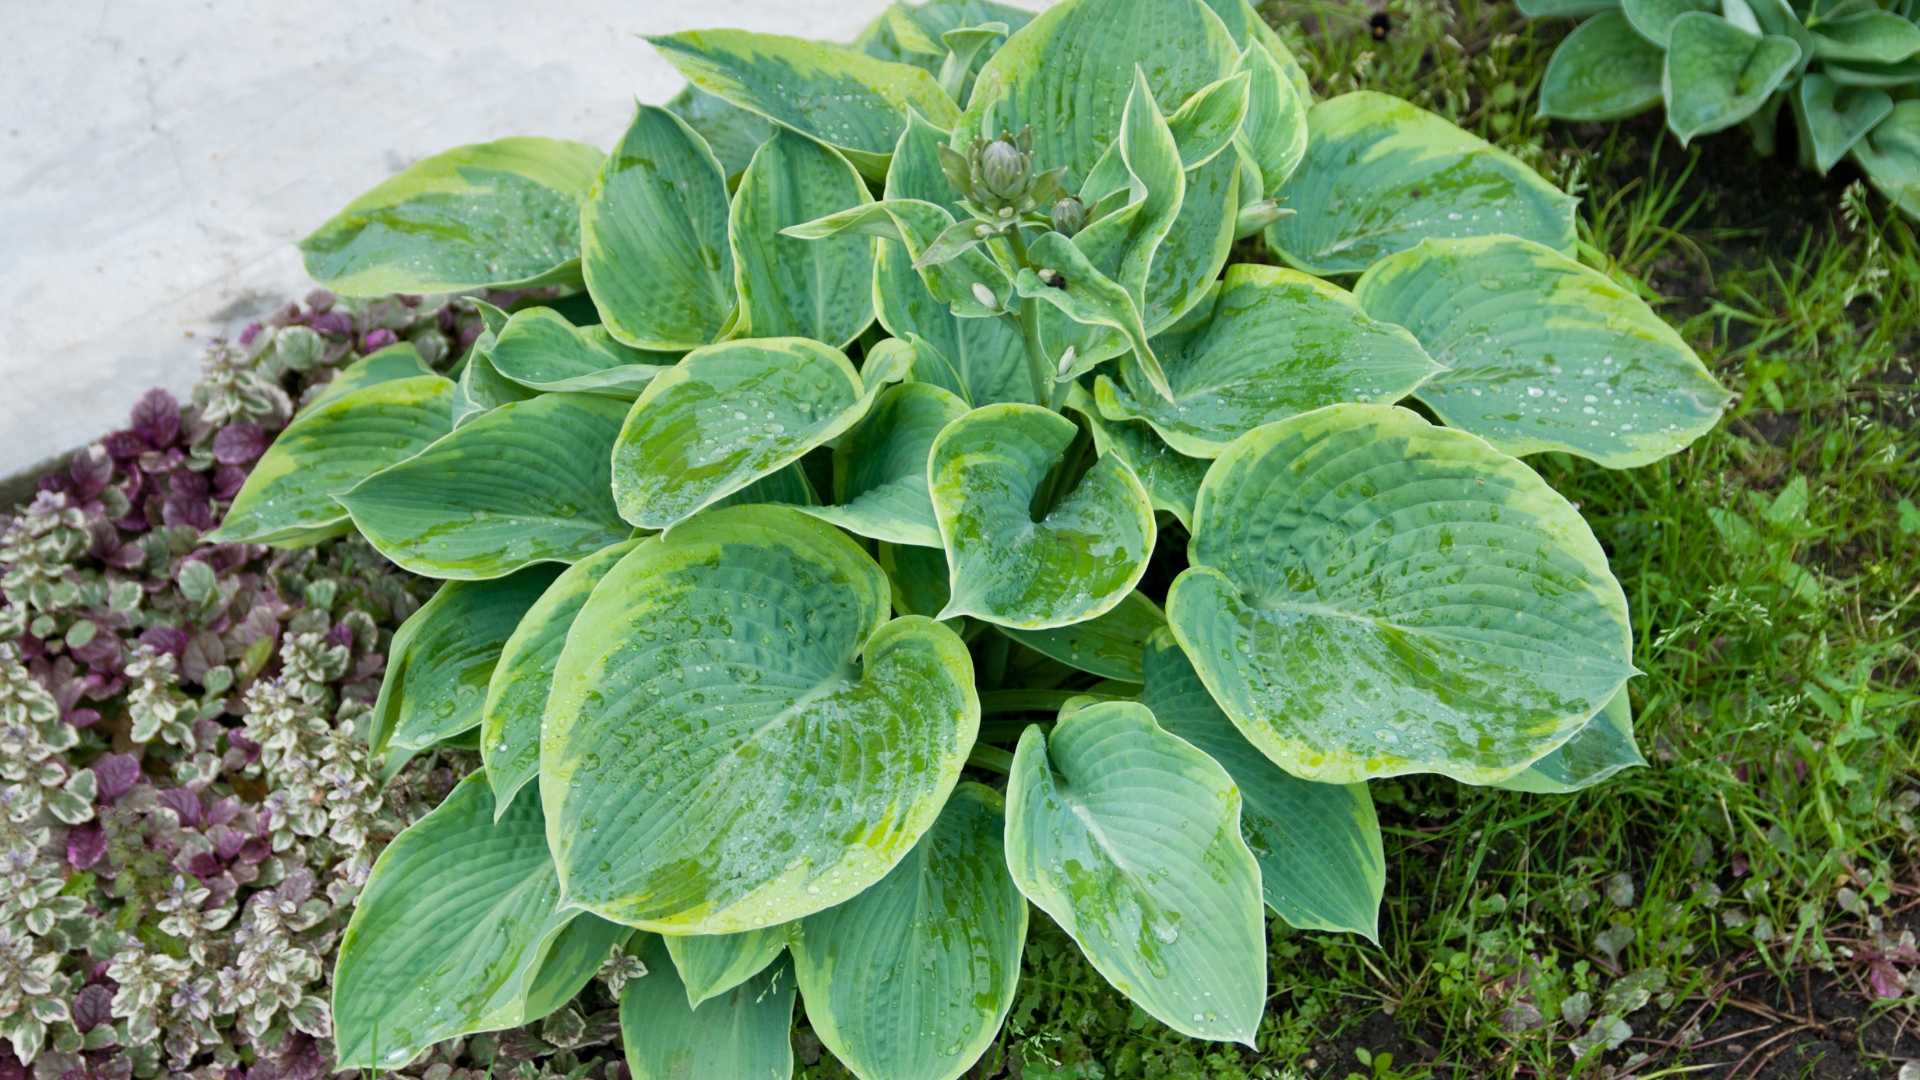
{"x": 991, "y": 758}
{"x": 1039, "y": 370}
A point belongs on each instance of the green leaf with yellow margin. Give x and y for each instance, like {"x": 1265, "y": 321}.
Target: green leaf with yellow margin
{"x": 442, "y": 658}
{"x": 1370, "y": 595}
{"x": 541, "y": 350}
{"x": 446, "y": 937}
{"x": 1602, "y": 748}
{"x": 1112, "y": 646}
{"x": 654, "y": 237}
{"x": 517, "y": 690}
{"x": 710, "y": 964}
{"x": 880, "y": 466}
{"x": 288, "y": 498}
{"x": 912, "y": 979}
{"x": 1129, "y": 838}
{"x": 743, "y": 1034}
{"x": 524, "y": 483}
{"x": 498, "y": 215}
{"x": 742, "y": 661}
{"x": 1278, "y": 343}
{"x": 792, "y": 287}
{"x": 1543, "y": 353}
{"x": 1381, "y": 175}
{"x": 726, "y": 416}
{"x": 1322, "y": 865}
{"x": 845, "y": 99}
{"x": 1083, "y": 558}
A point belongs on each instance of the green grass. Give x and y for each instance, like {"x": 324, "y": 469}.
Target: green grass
{"x": 1774, "y": 573}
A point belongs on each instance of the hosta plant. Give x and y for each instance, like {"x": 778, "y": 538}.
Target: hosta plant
{"x": 902, "y": 513}
{"x": 1849, "y": 71}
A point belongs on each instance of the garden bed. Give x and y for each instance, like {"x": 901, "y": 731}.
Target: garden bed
{"x": 193, "y": 718}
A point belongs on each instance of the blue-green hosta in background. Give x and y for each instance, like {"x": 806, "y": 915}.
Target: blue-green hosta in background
{"x": 799, "y": 533}
{"x": 1848, "y": 70}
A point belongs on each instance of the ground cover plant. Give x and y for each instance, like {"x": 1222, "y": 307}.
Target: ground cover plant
{"x": 1846, "y": 72}
{"x": 700, "y": 714}
{"x": 1623, "y": 927}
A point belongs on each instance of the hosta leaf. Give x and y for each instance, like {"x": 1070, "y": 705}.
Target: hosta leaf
{"x": 1110, "y": 645}
{"x": 740, "y": 1035}
{"x": 401, "y": 361}
{"x": 654, "y": 237}
{"x": 455, "y": 917}
{"x": 1279, "y": 343}
{"x": 517, "y": 690}
{"x": 1130, "y": 839}
{"x": 1370, "y": 595}
{"x": 820, "y": 289}
{"x": 1069, "y": 73}
{"x": 789, "y": 487}
{"x": 1718, "y": 74}
{"x": 1083, "y": 294}
{"x": 1871, "y": 37}
{"x": 483, "y": 389}
{"x": 1188, "y": 261}
{"x": 328, "y": 448}
{"x": 1084, "y": 557}
{"x": 919, "y": 226}
{"x": 728, "y": 415}
{"x": 710, "y": 964}
{"x": 1322, "y": 866}
{"x": 712, "y": 677}
{"x": 443, "y": 656}
{"x": 987, "y": 357}
{"x": 1604, "y": 70}
{"x": 1205, "y": 123}
{"x": 1837, "y": 117}
{"x": 1247, "y": 26}
{"x": 884, "y": 37}
{"x": 842, "y": 98}
{"x": 525, "y": 483}
{"x": 1544, "y": 353}
{"x": 1654, "y": 18}
{"x": 732, "y": 133}
{"x": 1275, "y": 129}
{"x": 541, "y": 350}
{"x": 918, "y": 576}
{"x": 571, "y": 961}
{"x": 880, "y": 466}
{"x": 1603, "y": 747}
{"x": 912, "y": 979}
{"x": 1882, "y": 75}
{"x": 1171, "y": 478}
{"x": 1544, "y": 9}
{"x": 1890, "y": 154}
{"x": 1381, "y": 175}
{"x": 503, "y": 214}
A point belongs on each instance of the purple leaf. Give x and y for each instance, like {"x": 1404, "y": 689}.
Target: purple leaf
{"x": 252, "y": 331}
{"x": 56, "y": 483}
{"x": 227, "y": 481}
{"x": 82, "y": 718}
{"x": 102, "y": 652}
{"x": 333, "y": 322}
{"x": 203, "y": 865}
{"x": 166, "y": 639}
{"x": 86, "y": 844}
{"x": 188, "y": 482}
{"x": 377, "y": 340}
{"x": 189, "y": 510}
{"x": 320, "y": 300}
{"x": 185, "y": 805}
{"x": 156, "y": 416}
{"x": 116, "y": 774}
{"x": 91, "y": 469}
{"x": 125, "y": 445}
{"x": 238, "y": 444}
{"x": 92, "y": 1006}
